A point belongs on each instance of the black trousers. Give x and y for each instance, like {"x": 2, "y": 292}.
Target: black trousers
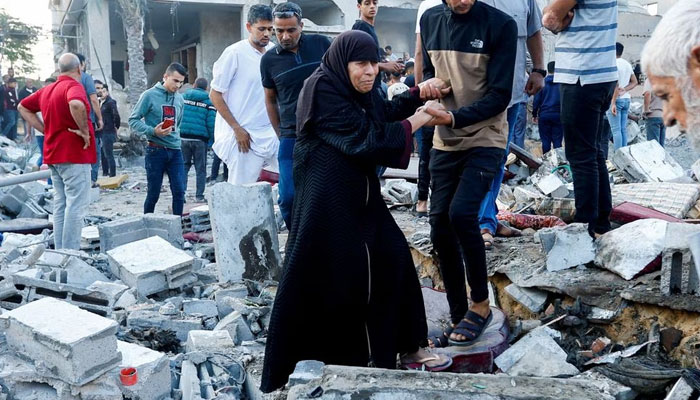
{"x": 460, "y": 180}
{"x": 109, "y": 165}
{"x": 426, "y": 139}
{"x": 583, "y": 111}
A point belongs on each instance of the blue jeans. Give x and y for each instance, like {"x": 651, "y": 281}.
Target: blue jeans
{"x": 160, "y": 161}
{"x": 551, "y": 132}
{"x": 9, "y": 124}
{"x": 40, "y": 143}
{"x": 618, "y": 123}
{"x": 488, "y": 209}
{"x": 656, "y": 130}
{"x": 95, "y": 168}
{"x": 519, "y": 126}
{"x": 286, "y": 183}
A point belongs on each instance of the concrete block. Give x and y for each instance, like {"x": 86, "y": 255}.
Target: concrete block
{"x": 550, "y": 183}
{"x": 536, "y": 354}
{"x": 30, "y": 209}
{"x": 189, "y": 381}
{"x": 145, "y": 319}
{"x": 120, "y": 232}
{"x": 167, "y": 226}
{"x": 236, "y": 326}
{"x": 205, "y": 308}
{"x": 10, "y": 204}
{"x": 305, "y": 372}
{"x": 245, "y": 232}
{"x": 572, "y": 246}
{"x": 153, "y": 368}
{"x": 151, "y": 265}
{"x": 631, "y": 248}
{"x": 647, "y": 162}
{"x": 678, "y": 272}
{"x": 76, "y": 345}
{"x": 533, "y": 299}
{"x": 209, "y": 341}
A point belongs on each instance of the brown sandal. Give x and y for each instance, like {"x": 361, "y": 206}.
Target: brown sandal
{"x": 488, "y": 239}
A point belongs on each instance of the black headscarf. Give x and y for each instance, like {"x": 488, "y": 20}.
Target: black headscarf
{"x": 349, "y": 46}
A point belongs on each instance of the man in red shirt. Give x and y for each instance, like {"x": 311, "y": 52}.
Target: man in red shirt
{"x": 69, "y": 147}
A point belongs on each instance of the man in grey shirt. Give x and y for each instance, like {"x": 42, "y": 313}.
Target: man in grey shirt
{"x": 527, "y": 16}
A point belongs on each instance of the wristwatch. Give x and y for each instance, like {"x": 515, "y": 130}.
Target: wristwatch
{"x": 540, "y": 71}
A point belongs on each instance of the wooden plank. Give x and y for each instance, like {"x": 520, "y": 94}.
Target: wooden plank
{"x": 113, "y": 182}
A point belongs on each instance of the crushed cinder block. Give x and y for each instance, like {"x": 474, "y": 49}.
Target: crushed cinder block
{"x": 536, "y": 354}
{"x": 151, "y": 265}
{"x": 245, "y": 232}
{"x": 678, "y": 272}
{"x": 647, "y": 162}
{"x": 305, "y": 372}
{"x": 126, "y": 230}
{"x": 209, "y": 341}
{"x": 533, "y": 299}
{"x": 632, "y": 249}
{"x": 153, "y": 368}
{"x": 148, "y": 318}
{"x": 90, "y": 239}
{"x": 567, "y": 247}
{"x": 63, "y": 340}
{"x": 205, "y": 308}
{"x": 199, "y": 219}
{"x": 550, "y": 184}
{"x": 189, "y": 381}
{"x": 236, "y": 326}
{"x": 399, "y": 192}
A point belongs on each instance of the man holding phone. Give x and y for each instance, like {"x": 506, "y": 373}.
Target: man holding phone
{"x": 157, "y": 116}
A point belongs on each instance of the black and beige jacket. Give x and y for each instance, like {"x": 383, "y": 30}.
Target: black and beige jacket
{"x": 476, "y": 52}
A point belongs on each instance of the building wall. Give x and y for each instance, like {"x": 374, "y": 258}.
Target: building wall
{"x": 98, "y": 50}
{"x": 218, "y": 31}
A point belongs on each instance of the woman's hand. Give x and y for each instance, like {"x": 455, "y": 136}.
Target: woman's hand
{"x": 434, "y": 88}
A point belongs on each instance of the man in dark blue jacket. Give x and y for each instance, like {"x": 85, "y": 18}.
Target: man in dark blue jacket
{"x": 546, "y": 113}
{"x": 196, "y": 130}
{"x": 112, "y": 121}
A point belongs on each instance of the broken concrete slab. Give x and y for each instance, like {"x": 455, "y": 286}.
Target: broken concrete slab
{"x": 680, "y": 391}
{"x": 209, "y": 341}
{"x": 153, "y": 368}
{"x": 245, "y": 232}
{"x": 189, "y": 381}
{"x": 76, "y": 345}
{"x": 148, "y": 318}
{"x": 550, "y": 183}
{"x": 533, "y": 299}
{"x": 629, "y": 250}
{"x": 536, "y": 354}
{"x": 678, "y": 272}
{"x": 609, "y": 386}
{"x": 647, "y": 162}
{"x": 305, "y": 372}
{"x": 571, "y": 246}
{"x": 151, "y": 265}
{"x": 399, "y": 192}
{"x": 339, "y": 382}
{"x": 674, "y": 199}
{"x": 205, "y": 308}
{"x": 236, "y": 326}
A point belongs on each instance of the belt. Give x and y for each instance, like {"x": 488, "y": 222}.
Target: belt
{"x": 158, "y": 146}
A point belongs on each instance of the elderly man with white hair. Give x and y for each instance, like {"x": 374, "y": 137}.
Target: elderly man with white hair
{"x": 671, "y": 61}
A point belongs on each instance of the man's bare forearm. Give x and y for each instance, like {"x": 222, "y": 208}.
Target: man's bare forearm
{"x": 418, "y": 60}
{"x": 79, "y": 113}
{"x": 31, "y": 118}
{"x": 554, "y": 16}
{"x": 217, "y": 99}
{"x": 536, "y": 50}
{"x": 273, "y": 111}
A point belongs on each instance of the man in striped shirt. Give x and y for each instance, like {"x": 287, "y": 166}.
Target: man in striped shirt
{"x": 587, "y": 71}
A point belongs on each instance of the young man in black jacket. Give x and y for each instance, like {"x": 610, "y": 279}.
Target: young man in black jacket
{"x": 474, "y": 46}
{"x": 112, "y": 121}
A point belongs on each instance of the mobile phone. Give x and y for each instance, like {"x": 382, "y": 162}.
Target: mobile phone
{"x": 168, "y": 123}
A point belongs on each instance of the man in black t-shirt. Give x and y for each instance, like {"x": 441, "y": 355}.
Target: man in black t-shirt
{"x": 283, "y": 71}
{"x": 368, "y": 11}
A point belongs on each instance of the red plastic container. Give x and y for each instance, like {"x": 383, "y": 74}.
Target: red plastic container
{"x": 129, "y": 376}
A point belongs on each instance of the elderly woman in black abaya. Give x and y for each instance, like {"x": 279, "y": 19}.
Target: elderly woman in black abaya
{"x": 349, "y": 292}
